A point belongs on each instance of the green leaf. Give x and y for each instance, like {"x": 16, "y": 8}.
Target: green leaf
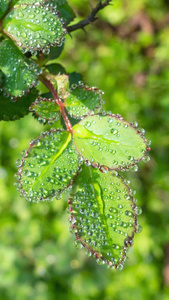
{"x": 55, "y": 52}
{"x": 82, "y": 101}
{"x": 34, "y": 26}
{"x": 4, "y": 4}
{"x": 65, "y": 10}
{"x": 46, "y": 110}
{"x": 74, "y": 78}
{"x": 56, "y": 69}
{"x": 28, "y": 2}
{"x": 109, "y": 141}
{"x": 1, "y": 78}
{"x": 13, "y": 110}
{"x": 13, "y": 2}
{"x": 48, "y": 166}
{"x": 103, "y": 215}
{"x": 20, "y": 73}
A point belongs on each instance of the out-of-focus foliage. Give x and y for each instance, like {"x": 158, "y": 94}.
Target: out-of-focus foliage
{"x": 126, "y": 54}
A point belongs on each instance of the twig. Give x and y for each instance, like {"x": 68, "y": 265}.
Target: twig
{"x": 90, "y": 18}
{"x": 50, "y": 86}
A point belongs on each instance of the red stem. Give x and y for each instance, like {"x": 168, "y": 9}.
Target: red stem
{"x": 50, "y": 86}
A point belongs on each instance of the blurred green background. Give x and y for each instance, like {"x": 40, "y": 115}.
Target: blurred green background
{"x": 126, "y": 54}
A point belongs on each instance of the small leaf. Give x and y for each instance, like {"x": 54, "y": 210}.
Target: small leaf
{"x": 46, "y": 109}
{"x": 55, "y": 52}
{"x": 48, "y": 166}
{"x": 20, "y": 73}
{"x": 103, "y": 215}
{"x": 4, "y": 4}
{"x": 56, "y": 69}
{"x": 62, "y": 82}
{"x": 34, "y": 26}
{"x": 108, "y": 140}
{"x": 66, "y": 11}
{"x": 12, "y": 109}
{"x": 74, "y": 78}
{"x": 83, "y": 101}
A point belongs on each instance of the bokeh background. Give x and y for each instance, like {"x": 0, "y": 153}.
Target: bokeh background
{"x": 126, "y": 54}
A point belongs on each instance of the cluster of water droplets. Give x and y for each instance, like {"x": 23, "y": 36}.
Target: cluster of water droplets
{"x": 14, "y": 108}
{"x": 103, "y": 216}
{"x": 83, "y": 100}
{"x": 15, "y": 65}
{"x": 112, "y": 142}
{"x": 35, "y": 27}
{"x": 46, "y": 109}
{"x": 45, "y": 170}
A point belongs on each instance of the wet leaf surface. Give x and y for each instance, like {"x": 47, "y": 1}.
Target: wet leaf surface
{"x": 109, "y": 141}
{"x": 103, "y": 215}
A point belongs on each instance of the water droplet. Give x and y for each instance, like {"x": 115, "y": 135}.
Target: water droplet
{"x": 78, "y": 244}
{"x": 120, "y": 267}
{"x": 139, "y": 229}
{"x": 114, "y": 131}
{"x": 138, "y": 210}
{"x": 18, "y": 163}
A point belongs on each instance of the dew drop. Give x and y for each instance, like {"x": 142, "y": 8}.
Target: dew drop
{"x": 18, "y": 163}
{"x": 138, "y": 210}
{"x": 139, "y": 229}
{"x": 78, "y": 244}
{"x": 114, "y": 131}
{"x": 120, "y": 267}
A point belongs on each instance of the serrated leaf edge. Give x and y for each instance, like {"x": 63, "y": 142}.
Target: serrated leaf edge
{"x": 22, "y": 163}
{"x": 57, "y": 43}
{"x": 31, "y": 109}
{"x": 87, "y": 88}
{"x": 128, "y": 241}
{"x": 120, "y": 168}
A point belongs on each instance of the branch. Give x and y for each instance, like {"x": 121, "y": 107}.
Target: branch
{"x": 90, "y": 18}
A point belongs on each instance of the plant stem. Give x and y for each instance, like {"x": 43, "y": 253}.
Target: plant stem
{"x": 90, "y": 18}
{"x": 59, "y": 102}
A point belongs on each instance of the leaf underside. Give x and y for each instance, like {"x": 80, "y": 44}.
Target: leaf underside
{"x": 108, "y": 140}
{"x": 83, "y": 101}
{"x": 34, "y": 26}
{"x": 102, "y": 215}
{"x": 48, "y": 166}
{"x": 13, "y": 110}
{"x": 20, "y": 73}
{"x": 46, "y": 109}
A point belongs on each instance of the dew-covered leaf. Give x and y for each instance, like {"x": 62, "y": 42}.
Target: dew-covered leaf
{"x": 15, "y": 109}
{"x": 103, "y": 215}
{"x": 20, "y": 73}
{"x": 28, "y": 2}
{"x": 34, "y": 25}
{"x": 46, "y": 110}
{"x": 109, "y": 140}
{"x": 83, "y": 100}
{"x": 4, "y": 4}
{"x": 48, "y": 166}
